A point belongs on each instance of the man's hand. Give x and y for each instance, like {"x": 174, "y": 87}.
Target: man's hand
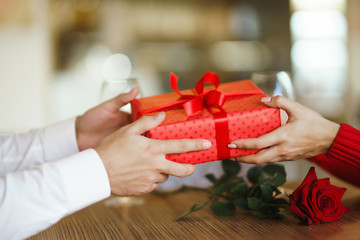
{"x": 305, "y": 135}
{"x": 136, "y": 164}
{"x": 103, "y": 120}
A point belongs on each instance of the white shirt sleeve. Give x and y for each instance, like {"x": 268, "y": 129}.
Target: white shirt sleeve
{"x": 44, "y": 177}
{"x": 32, "y": 200}
{"x": 25, "y": 150}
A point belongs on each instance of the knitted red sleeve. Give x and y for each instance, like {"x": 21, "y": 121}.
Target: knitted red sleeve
{"x": 343, "y": 157}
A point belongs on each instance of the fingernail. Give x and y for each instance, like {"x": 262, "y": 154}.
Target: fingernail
{"x": 232, "y": 159}
{"x": 266, "y": 99}
{"x": 160, "y": 115}
{"x": 231, "y": 145}
{"x": 206, "y": 144}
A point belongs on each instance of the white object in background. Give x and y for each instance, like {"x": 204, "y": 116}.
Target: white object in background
{"x": 116, "y": 72}
{"x": 116, "y": 66}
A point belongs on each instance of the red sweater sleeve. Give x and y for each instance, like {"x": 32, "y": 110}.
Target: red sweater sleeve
{"x": 343, "y": 157}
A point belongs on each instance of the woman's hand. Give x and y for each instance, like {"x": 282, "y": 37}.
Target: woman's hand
{"x": 305, "y": 135}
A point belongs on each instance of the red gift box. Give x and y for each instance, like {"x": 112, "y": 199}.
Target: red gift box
{"x": 220, "y": 113}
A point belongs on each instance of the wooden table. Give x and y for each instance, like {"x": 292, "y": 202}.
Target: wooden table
{"x": 154, "y": 219}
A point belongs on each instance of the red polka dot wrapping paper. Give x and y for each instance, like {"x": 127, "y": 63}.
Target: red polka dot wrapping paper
{"x": 247, "y": 117}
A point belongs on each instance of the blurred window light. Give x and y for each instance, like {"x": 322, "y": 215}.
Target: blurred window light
{"x": 318, "y": 4}
{"x": 240, "y": 55}
{"x": 320, "y": 83}
{"x": 318, "y": 24}
{"x": 319, "y": 54}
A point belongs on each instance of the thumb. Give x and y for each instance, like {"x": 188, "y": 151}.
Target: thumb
{"x": 146, "y": 123}
{"x": 290, "y": 107}
{"x": 122, "y": 99}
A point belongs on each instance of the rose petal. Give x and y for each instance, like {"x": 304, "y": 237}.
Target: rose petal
{"x": 309, "y": 179}
{"x": 295, "y": 209}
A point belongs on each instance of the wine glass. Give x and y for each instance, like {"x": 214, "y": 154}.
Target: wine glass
{"x": 116, "y": 72}
{"x": 274, "y": 83}
{"x": 112, "y": 88}
{"x": 279, "y": 83}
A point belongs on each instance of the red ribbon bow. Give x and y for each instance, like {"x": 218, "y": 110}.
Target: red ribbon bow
{"x": 195, "y": 103}
{"x": 201, "y": 100}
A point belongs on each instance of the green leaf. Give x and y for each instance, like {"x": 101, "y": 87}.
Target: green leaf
{"x": 277, "y": 203}
{"x": 195, "y": 205}
{"x": 200, "y": 206}
{"x": 242, "y": 203}
{"x": 261, "y": 215}
{"x": 231, "y": 168}
{"x": 273, "y": 174}
{"x": 255, "y": 191}
{"x": 267, "y": 191}
{"x": 254, "y": 203}
{"x": 211, "y": 177}
{"x": 240, "y": 188}
{"x": 194, "y": 208}
{"x": 222, "y": 188}
{"x": 268, "y": 212}
{"x": 280, "y": 201}
{"x": 223, "y": 208}
{"x": 285, "y": 212}
{"x": 254, "y": 173}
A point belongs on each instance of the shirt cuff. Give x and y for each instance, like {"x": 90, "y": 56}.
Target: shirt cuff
{"x": 59, "y": 140}
{"x": 85, "y": 179}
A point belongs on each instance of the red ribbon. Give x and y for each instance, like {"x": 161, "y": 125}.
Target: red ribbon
{"x": 205, "y": 100}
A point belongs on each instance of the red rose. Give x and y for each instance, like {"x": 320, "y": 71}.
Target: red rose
{"x": 317, "y": 201}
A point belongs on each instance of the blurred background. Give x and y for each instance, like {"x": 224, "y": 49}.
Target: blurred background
{"x": 52, "y": 51}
